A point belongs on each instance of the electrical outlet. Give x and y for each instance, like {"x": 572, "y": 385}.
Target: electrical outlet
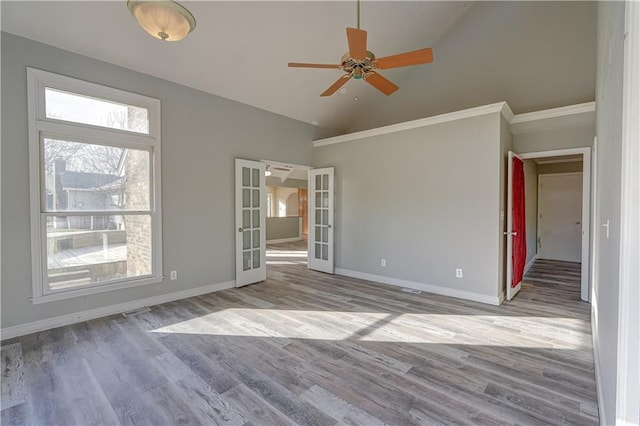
{"x": 174, "y": 275}
{"x": 458, "y": 273}
{"x": 383, "y": 263}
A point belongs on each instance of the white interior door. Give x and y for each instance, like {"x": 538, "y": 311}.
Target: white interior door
{"x": 250, "y": 222}
{"x": 511, "y": 290}
{"x": 321, "y": 202}
{"x": 560, "y": 217}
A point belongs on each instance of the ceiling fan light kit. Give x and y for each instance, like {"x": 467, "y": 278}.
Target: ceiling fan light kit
{"x": 164, "y": 19}
{"x": 360, "y": 64}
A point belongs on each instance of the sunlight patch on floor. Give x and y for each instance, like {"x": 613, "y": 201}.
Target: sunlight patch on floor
{"x": 485, "y": 330}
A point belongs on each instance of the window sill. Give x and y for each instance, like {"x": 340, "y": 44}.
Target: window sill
{"x": 68, "y": 294}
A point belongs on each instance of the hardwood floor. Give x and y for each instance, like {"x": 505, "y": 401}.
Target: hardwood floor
{"x": 314, "y": 349}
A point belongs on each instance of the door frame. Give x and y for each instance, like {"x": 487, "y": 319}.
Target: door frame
{"x": 586, "y": 276}
{"x": 538, "y": 202}
{"x": 628, "y": 383}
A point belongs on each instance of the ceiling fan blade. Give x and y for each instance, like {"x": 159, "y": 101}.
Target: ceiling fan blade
{"x": 303, "y": 65}
{"x": 422, "y": 56}
{"x": 335, "y": 86}
{"x": 380, "y": 83}
{"x": 357, "y": 40}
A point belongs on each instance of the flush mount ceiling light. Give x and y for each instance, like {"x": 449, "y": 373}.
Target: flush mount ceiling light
{"x": 166, "y": 20}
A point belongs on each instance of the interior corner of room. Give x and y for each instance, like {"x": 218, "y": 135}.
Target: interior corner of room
{"x": 493, "y": 188}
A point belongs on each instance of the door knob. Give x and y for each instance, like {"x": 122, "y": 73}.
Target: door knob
{"x": 328, "y": 226}
{"x": 239, "y": 229}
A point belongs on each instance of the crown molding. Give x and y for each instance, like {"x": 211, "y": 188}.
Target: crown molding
{"x": 567, "y": 116}
{"x": 500, "y": 107}
{"x": 564, "y": 111}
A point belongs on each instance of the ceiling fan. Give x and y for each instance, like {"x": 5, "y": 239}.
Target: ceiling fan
{"x": 359, "y": 63}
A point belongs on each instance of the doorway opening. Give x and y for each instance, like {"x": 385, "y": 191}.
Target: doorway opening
{"x": 557, "y": 203}
{"x": 287, "y": 221}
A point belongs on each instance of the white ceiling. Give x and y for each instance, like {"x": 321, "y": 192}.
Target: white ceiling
{"x": 240, "y": 49}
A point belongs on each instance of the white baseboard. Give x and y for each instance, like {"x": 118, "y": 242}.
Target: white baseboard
{"x": 444, "y": 291}
{"x": 530, "y": 264}
{"x": 596, "y": 362}
{"x": 284, "y": 240}
{"x": 46, "y": 324}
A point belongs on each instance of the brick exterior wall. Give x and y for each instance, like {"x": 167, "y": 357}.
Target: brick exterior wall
{"x": 136, "y": 189}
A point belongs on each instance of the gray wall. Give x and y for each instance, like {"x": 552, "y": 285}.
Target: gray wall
{"x": 558, "y": 138}
{"x": 279, "y": 228}
{"x": 572, "y": 167}
{"x": 534, "y": 55}
{"x": 506, "y": 145}
{"x": 531, "y": 206}
{"x": 201, "y": 136}
{"x": 609, "y": 91}
{"x": 425, "y": 199}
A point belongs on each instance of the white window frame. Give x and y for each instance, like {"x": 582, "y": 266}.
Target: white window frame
{"x": 40, "y": 126}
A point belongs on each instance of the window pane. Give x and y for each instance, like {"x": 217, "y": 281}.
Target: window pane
{"x": 81, "y": 176}
{"x": 256, "y": 259}
{"x": 246, "y": 218}
{"x": 68, "y": 106}
{"x": 83, "y": 250}
{"x": 246, "y": 176}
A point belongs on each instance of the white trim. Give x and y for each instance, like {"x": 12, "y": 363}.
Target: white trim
{"x": 594, "y": 234}
{"x": 429, "y": 288}
{"x": 596, "y": 361}
{"x": 584, "y": 112}
{"x": 40, "y": 127}
{"x": 628, "y": 354}
{"x": 502, "y": 297}
{"x": 95, "y": 288}
{"x": 284, "y": 240}
{"x": 46, "y": 324}
{"x": 554, "y": 113}
{"x": 530, "y": 264}
{"x": 585, "y": 276}
{"x": 506, "y": 112}
{"x": 555, "y": 153}
{"x": 94, "y": 90}
{"x": 500, "y": 107}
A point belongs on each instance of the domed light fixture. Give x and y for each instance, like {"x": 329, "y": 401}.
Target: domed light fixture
{"x": 166, "y": 20}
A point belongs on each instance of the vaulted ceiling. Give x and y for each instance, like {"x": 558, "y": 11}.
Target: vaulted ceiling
{"x": 534, "y": 55}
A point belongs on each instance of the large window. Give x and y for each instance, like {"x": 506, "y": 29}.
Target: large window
{"x": 95, "y": 187}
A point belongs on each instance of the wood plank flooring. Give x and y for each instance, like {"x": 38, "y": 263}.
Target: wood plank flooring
{"x": 314, "y": 349}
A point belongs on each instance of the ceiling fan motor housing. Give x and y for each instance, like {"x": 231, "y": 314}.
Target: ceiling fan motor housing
{"x": 358, "y": 67}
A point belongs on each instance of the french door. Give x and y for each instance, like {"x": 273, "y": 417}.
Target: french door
{"x": 250, "y": 222}
{"x": 321, "y": 205}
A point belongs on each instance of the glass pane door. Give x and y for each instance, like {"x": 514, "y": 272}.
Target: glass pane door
{"x": 250, "y": 219}
{"x": 321, "y": 196}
